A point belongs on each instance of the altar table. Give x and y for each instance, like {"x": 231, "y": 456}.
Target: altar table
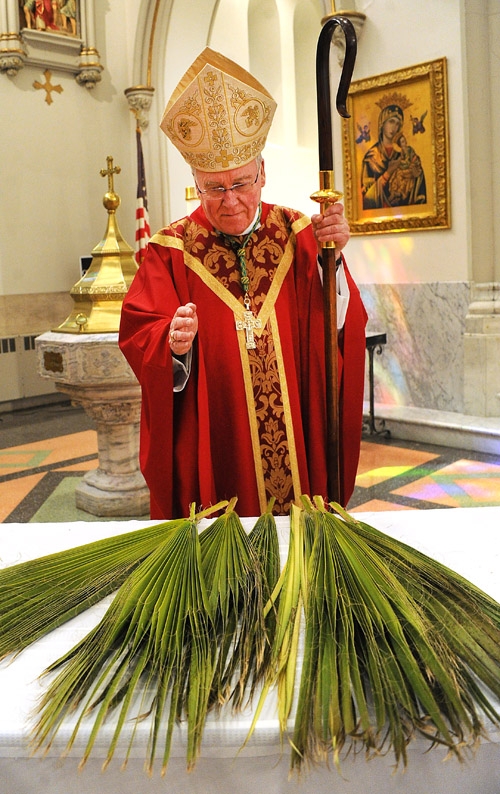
{"x": 467, "y": 540}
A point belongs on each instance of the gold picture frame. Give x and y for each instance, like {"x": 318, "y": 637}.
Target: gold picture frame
{"x": 395, "y": 150}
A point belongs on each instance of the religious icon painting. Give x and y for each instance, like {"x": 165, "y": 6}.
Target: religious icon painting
{"x": 56, "y": 36}
{"x": 395, "y": 147}
{"x": 49, "y": 16}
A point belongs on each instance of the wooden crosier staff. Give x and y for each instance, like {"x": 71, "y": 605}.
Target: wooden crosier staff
{"x": 325, "y": 196}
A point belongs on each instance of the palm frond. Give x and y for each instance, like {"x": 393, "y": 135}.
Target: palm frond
{"x": 39, "y": 595}
{"x": 286, "y": 601}
{"x": 157, "y": 638}
{"x": 235, "y": 584}
{"x": 263, "y": 538}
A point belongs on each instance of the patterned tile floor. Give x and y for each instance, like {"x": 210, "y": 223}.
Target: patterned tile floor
{"x": 399, "y": 475}
{"x": 45, "y": 452}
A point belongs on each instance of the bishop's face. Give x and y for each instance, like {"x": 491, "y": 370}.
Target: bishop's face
{"x": 230, "y": 198}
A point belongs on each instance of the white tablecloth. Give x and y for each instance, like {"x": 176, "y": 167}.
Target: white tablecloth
{"x": 467, "y": 540}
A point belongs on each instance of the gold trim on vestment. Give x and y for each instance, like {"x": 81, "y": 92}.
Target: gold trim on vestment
{"x": 287, "y": 410}
{"x": 252, "y": 420}
{"x": 194, "y": 264}
{"x": 276, "y": 284}
{"x": 168, "y": 241}
{"x": 301, "y": 223}
{"x": 197, "y": 266}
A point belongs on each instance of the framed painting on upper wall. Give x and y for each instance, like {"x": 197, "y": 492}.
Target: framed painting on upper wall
{"x": 51, "y": 34}
{"x": 395, "y": 149}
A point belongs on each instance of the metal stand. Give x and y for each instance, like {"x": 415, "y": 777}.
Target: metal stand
{"x": 374, "y": 343}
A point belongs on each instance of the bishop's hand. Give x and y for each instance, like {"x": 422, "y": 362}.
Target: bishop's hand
{"x": 331, "y": 225}
{"x": 183, "y": 329}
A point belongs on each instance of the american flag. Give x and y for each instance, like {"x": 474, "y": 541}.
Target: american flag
{"x": 142, "y": 228}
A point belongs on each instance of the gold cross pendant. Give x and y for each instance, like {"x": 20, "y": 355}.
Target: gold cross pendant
{"x": 247, "y": 324}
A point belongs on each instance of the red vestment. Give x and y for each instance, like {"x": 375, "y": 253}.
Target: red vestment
{"x": 249, "y": 423}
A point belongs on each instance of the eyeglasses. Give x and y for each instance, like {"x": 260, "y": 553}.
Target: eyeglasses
{"x": 214, "y": 193}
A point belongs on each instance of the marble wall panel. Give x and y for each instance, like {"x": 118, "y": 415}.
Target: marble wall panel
{"x": 421, "y": 365}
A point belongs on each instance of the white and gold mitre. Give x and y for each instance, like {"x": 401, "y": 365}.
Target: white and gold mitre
{"x": 219, "y": 116}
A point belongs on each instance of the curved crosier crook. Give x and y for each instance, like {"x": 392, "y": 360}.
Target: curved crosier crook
{"x": 325, "y": 134}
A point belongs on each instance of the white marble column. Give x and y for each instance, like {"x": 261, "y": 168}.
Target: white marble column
{"x": 482, "y": 325}
{"x": 482, "y": 352}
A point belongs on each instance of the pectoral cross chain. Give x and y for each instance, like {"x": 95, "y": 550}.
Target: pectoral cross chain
{"x": 247, "y": 324}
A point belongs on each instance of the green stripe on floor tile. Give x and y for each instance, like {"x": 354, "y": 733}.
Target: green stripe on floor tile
{"x": 60, "y": 507}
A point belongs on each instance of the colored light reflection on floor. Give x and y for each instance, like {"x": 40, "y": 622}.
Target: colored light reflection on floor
{"x": 381, "y": 474}
{"x": 381, "y": 462}
{"x": 461, "y": 484}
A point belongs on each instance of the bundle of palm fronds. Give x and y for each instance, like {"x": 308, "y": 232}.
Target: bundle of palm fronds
{"x": 395, "y": 643}
{"x": 184, "y": 632}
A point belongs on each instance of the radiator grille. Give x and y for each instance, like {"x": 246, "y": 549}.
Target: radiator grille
{"x": 8, "y": 345}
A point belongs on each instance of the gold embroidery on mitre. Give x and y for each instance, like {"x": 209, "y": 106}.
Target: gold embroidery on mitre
{"x": 219, "y": 116}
